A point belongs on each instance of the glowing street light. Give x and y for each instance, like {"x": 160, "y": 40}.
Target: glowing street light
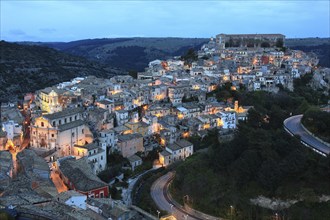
{"x": 231, "y": 211}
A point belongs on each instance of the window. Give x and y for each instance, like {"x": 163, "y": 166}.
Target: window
{"x": 54, "y": 123}
{"x": 65, "y": 120}
{"x": 70, "y": 118}
{"x": 82, "y": 131}
{"x": 75, "y": 117}
{"x": 72, "y": 134}
{"x": 53, "y": 135}
{"x": 101, "y": 157}
{"x": 59, "y": 121}
{"x": 42, "y": 124}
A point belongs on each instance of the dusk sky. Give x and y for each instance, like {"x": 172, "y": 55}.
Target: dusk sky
{"x": 74, "y": 20}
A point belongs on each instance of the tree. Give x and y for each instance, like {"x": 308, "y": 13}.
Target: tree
{"x": 190, "y": 56}
{"x": 279, "y": 43}
{"x": 265, "y": 44}
{"x": 94, "y": 99}
{"x": 133, "y": 73}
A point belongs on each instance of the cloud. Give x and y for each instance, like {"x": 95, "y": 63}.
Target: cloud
{"x": 47, "y": 30}
{"x": 17, "y": 32}
{"x": 17, "y": 35}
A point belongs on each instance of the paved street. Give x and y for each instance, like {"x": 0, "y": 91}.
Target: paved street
{"x": 293, "y": 124}
{"x": 58, "y": 182}
{"x": 159, "y": 195}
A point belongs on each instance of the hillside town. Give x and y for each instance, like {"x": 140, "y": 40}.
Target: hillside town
{"x": 55, "y": 144}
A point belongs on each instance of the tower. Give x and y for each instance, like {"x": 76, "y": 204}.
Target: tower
{"x": 53, "y": 102}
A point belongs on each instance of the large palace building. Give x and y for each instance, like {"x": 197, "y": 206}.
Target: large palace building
{"x": 250, "y": 40}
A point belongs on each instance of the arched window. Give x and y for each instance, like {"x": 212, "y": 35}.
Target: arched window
{"x": 42, "y": 124}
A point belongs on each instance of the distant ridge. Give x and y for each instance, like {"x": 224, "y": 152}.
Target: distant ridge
{"x": 26, "y": 68}
{"x": 135, "y": 53}
{"x": 127, "y": 53}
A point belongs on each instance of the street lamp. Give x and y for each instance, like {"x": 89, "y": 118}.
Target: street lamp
{"x": 158, "y": 212}
{"x": 231, "y": 211}
{"x": 185, "y": 198}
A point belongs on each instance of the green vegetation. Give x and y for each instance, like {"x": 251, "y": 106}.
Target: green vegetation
{"x": 129, "y": 53}
{"x": 5, "y": 216}
{"x": 115, "y": 193}
{"x": 302, "y": 89}
{"x": 317, "y": 122}
{"x": 279, "y": 43}
{"x": 203, "y": 143}
{"x": 191, "y": 99}
{"x": 189, "y": 56}
{"x": 26, "y": 68}
{"x": 141, "y": 191}
{"x": 115, "y": 165}
{"x": 261, "y": 160}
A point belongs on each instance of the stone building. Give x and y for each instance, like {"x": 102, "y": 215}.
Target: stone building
{"x": 60, "y": 131}
{"x": 248, "y": 40}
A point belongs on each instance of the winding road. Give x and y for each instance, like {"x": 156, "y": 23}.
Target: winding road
{"x": 159, "y": 193}
{"x": 294, "y": 127}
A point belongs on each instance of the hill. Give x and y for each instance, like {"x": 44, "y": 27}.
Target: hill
{"x": 261, "y": 160}
{"x": 26, "y": 68}
{"x": 136, "y": 53}
{"x": 127, "y": 53}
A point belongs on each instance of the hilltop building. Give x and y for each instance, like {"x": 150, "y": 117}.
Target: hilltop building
{"x": 248, "y": 40}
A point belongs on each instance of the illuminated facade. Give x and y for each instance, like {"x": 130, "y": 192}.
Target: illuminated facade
{"x": 60, "y": 131}
{"x": 48, "y": 101}
{"x": 179, "y": 150}
{"x": 95, "y": 154}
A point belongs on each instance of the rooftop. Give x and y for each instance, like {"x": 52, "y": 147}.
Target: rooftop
{"x": 64, "y": 113}
{"x": 165, "y": 153}
{"x": 81, "y": 175}
{"x": 105, "y": 102}
{"x": 70, "y": 125}
{"x": 127, "y": 137}
{"x": 90, "y": 146}
{"x": 134, "y": 158}
{"x": 183, "y": 143}
{"x": 64, "y": 196}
